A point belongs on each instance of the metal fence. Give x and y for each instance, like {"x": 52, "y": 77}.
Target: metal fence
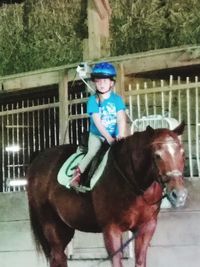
{"x": 177, "y": 100}
{"x": 159, "y": 104}
{"x": 28, "y": 125}
{"x": 31, "y": 124}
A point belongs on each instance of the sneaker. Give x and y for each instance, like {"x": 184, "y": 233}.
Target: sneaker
{"x": 76, "y": 179}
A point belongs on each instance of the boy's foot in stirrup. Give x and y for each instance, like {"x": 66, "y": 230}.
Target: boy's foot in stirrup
{"x": 75, "y": 182}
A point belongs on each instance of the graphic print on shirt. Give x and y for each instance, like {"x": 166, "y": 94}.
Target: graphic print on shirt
{"x": 109, "y": 117}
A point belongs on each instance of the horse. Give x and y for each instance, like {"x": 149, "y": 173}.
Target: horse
{"x": 127, "y": 197}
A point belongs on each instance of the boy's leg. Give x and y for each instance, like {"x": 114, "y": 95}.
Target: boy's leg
{"x": 94, "y": 145}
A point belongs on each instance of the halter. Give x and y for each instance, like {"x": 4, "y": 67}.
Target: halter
{"x": 134, "y": 184}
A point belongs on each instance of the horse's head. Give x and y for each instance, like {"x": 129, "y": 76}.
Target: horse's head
{"x": 169, "y": 157}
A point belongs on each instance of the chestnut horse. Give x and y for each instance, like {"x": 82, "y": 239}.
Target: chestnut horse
{"x": 127, "y": 196}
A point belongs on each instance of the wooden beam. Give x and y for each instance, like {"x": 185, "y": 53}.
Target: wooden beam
{"x": 128, "y": 64}
{"x": 30, "y": 81}
{"x": 103, "y": 8}
{"x": 97, "y": 45}
{"x": 63, "y": 108}
{"x": 159, "y": 61}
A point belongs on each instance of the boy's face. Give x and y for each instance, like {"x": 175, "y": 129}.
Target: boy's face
{"x": 103, "y": 85}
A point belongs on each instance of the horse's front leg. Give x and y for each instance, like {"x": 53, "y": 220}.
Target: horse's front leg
{"x": 142, "y": 240}
{"x": 112, "y": 240}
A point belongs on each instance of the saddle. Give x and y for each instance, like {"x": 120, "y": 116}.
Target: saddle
{"x": 93, "y": 171}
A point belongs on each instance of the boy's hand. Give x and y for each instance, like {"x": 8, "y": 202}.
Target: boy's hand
{"x": 110, "y": 140}
{"x": 119, "y": 137}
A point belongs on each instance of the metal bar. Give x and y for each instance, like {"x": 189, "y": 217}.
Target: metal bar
{"x": 163, "y": 89}
{"x": 3, "y": 152}
{"x": 44, "y": 128}
{"x": 138, "y": 100}
{"x": 162, "y": 100}
{"x": 130, "y": 103}
{"x": 49, "y": 124}
{"x": 18, "y": 142}
{"x": 179, "y": 101}
{"x": 29, "y": 109}
{"x": 154, "y": 102}
{"x": 170, "y": 96}
{"x": 23, "y": 141}
{"x": 146, "y": 101}
{"x": 197, "y": 125}
{"x": 28, "y": 131}
{"x": 82, "y": 112}
{"x": 7, "y": 155}
{"x": 38, "y": 126}
{"x": 33, "y": 127}
{"x": 13, "y": 143}
{"x": 154, "y": 99}
{"x": 189, "y": 128}
{"x": 78, "y": 116}
{"x": 54, "y": 120}
{"x": 76, "y": 122}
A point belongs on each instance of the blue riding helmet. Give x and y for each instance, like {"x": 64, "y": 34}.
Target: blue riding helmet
{"x": 103, "y": 70}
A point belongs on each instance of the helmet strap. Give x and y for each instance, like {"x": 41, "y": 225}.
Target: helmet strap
{"x": 102, "y": 93}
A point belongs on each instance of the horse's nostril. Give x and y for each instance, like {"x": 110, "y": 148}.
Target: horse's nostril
{"x": 174, "y": 195}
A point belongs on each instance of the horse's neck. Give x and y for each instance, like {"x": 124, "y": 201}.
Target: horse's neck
{"x": 133, "y": 160}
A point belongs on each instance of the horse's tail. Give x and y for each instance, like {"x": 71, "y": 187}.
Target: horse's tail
{"x": 41, "y": 242}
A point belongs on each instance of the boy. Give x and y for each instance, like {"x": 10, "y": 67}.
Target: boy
{"x": 107, "y": 115}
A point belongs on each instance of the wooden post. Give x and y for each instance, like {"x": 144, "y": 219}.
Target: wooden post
{"x": 97, "y": 45}
{"x": 120, "y": 79}
{"x": 63, "y": 108}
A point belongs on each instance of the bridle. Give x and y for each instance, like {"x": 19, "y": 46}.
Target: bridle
{"x": 158, "y": 179}
{"x": 133, "y": 183}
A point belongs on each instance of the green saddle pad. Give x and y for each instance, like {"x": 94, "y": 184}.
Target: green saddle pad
{"x": 66, "y": 171}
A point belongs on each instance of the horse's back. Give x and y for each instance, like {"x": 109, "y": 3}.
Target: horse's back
{"x": 43, "y": 170}
{"x": 50, "y": 159}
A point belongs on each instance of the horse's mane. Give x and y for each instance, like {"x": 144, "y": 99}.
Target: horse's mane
{"x": 133, "y": 156}
{"x": 134, "y": 142}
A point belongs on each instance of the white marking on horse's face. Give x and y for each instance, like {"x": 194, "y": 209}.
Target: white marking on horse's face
{"x": 168, "y": 146}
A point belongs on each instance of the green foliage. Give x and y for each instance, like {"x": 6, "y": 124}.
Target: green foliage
{"x": 40, "y": 34}
{"x": 44, "y": 33}
{"x": 138, "y": 26}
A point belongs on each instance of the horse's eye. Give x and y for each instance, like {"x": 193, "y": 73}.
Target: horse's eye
{"x": 157, "y": 157}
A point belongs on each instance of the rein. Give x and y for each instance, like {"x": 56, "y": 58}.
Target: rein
{"x": 131, "y": 182}
{"x": 134, "y": 184}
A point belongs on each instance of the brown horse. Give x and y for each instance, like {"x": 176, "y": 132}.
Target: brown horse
{"x": 127, "y": 196}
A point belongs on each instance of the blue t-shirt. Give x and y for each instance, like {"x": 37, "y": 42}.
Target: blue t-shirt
{"x": 107, "y": 109}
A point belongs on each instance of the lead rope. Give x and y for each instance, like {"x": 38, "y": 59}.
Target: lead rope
{"x": 120, "y": 249}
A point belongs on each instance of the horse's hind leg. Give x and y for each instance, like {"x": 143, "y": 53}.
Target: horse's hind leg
{"x": 58, "y": 238}
{"x": 58, "y": 235}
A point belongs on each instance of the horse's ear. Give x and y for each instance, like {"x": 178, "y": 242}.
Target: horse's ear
{"x": 150, "y": 130}
{"x": 180, "y": 128}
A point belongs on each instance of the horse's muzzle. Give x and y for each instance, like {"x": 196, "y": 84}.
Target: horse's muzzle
{"x": 177, "y": 197}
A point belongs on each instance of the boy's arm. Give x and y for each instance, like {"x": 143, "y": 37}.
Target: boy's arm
{"x": 121, "y": 122}
{"x": 101, "y": 128}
